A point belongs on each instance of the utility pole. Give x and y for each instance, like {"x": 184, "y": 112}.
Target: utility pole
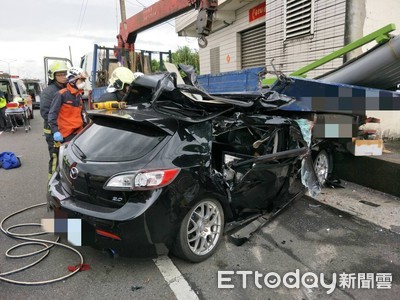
{"x": 131, "y": 52}
{"x": 70, "y": 53}
{"x": 123, "y": 12}
{"x": 8, "y": 62}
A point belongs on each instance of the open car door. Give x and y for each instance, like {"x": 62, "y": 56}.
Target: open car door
{"x": 48, "y": 60}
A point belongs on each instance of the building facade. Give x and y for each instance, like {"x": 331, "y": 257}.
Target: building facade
{"x": 291, "y": 34}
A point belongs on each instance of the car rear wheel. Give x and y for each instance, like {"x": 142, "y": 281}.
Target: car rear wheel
{"x": 322, "y": 166}
{"x": 201, "y": 231}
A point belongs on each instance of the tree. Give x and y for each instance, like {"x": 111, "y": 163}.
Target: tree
{"x": 187, "y": 56}
{"x": 155, "y": 65}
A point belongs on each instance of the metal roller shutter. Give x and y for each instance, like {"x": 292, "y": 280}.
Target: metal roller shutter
{"x": 214, "y": 59}
{"x": 253, "y": 47}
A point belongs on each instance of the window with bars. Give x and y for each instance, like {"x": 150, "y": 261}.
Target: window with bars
{"x": 299, "y": 18}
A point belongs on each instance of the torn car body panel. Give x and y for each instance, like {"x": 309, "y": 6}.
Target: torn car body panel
{"x": 228, "y": 151}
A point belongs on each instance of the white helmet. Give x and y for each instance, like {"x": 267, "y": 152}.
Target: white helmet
{"x": 57, "y": 66}
{"x": 122, "y": 76}
{"x": 75, "y": 73}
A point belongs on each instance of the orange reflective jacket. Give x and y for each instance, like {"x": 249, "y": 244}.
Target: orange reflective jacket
{"x": 65, "y": 113}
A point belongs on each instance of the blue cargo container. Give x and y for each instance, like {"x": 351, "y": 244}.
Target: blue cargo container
{"x": 235, "y": 81}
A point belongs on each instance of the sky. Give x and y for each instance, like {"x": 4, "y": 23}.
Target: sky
{"x": 33, "y": 29}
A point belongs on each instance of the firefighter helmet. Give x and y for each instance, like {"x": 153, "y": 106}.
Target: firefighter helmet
{"x": 57, "y": 66}
{"x": 122, "y": 76}
{"x": 75, "y": 73}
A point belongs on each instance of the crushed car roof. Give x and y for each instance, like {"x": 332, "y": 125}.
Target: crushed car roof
{"x": 193, "y": 104}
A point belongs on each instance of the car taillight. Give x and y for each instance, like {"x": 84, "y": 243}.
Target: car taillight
{"x": 142, "y": 180}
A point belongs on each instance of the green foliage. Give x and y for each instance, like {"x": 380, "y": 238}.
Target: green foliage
{"x": 187, "y": 56}
{"x": 155, "y": 65}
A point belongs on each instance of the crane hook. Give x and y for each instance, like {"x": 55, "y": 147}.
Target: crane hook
{"x": 202, "y": 41}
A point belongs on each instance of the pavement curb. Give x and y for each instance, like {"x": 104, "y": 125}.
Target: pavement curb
{"x": 367, "y": 204}
{"x": 375, "y": 172}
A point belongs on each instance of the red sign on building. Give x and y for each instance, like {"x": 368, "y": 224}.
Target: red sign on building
{"x": 257, "y": 12}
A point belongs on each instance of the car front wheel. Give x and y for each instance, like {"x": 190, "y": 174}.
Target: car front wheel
{"x": 201, "y": 231}
{"x": 322, "y": 166}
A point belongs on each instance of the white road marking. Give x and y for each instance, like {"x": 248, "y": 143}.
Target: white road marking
{"x": 175, "y": 279}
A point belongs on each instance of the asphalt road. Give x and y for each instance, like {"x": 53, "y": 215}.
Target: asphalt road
{"x": 307, "y": 237}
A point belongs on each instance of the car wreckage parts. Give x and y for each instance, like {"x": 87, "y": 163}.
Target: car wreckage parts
{"x": 236, "y": 162}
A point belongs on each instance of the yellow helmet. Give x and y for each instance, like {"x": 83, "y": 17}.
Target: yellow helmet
{"x": 121, "y": 76}
{"x": 57, "y": 66}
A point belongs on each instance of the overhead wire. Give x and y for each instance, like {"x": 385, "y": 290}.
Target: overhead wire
{"x": 141, "y": 4}
{"x": 82, "y": 15}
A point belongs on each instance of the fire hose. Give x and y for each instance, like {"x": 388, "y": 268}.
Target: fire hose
{"x": 28, "y": 237}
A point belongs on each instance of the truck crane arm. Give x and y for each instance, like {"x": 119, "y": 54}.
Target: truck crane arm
{"x": 162, "y": 11}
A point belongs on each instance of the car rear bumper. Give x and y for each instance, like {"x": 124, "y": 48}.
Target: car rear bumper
{"x": 61, "y": 197}
{"x": 132, "y": 230}
{"x": 128, "y": 239}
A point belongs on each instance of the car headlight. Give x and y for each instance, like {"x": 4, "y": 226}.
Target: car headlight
{"x": 142, "y": 180}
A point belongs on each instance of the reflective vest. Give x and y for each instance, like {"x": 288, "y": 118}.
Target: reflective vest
{"x": 3, "y": 102}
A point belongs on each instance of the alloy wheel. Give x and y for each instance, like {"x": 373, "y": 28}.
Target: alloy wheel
{"x": 321, "y": 166}
{"x": 204, "y": 228}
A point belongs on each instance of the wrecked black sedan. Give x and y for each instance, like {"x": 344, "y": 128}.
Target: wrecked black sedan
{"x": 177, "y": 168}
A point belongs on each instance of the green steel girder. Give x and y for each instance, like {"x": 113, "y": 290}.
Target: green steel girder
{"x": 380, "y": 35}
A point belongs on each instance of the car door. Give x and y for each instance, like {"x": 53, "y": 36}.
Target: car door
{"x": 260, "y": 168}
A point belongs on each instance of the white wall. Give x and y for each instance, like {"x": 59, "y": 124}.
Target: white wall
{"x": 228, "y": 41}
{"x": 390, "y": 122}
{"x": 330, "y": 23}
{"x": 294, "y": 54}
{"x": 379, "y": 14}
{"x": 290, "y": 55}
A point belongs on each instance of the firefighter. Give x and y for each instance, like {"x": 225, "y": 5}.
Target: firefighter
{"x": 119, "y": 83}
{"x": 65, "y": 116}
{"x": 57, "y": 81}
{"x": 3, "y": 119}
{"x": 66, "y": 111}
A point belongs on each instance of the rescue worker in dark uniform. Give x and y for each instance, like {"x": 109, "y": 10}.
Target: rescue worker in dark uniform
{"x": 118, "y": 85}
{"x": 57, "y": 81}
{"x": 65, "y": 116}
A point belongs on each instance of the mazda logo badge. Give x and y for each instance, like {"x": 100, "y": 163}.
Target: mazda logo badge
{"x": 73, "y": 173}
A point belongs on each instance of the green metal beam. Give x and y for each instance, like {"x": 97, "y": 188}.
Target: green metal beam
{"x": 381, "y": 35}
